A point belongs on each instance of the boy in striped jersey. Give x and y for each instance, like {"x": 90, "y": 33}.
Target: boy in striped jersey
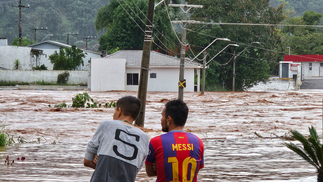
{"x": 178, "y": 155}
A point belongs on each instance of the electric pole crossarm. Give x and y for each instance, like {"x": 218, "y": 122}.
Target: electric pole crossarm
{"x": 185, "y": 5}
{"x": 185, "y": 21}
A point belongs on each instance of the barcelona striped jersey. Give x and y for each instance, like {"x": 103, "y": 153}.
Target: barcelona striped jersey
{"x": 178, "y": 155}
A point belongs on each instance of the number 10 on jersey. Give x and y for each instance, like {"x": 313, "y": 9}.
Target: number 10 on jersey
{"x": 185, "y": 166}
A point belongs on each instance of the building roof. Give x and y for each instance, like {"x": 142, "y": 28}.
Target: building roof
{"x": 133, "y": 58}
{"x": 304, "y": 58}
{"x": 59, "y": 44}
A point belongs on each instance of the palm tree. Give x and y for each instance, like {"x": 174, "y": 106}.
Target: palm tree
{"x": 312, "y": 150}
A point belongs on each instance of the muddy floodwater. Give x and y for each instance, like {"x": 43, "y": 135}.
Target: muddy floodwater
{"x": 243, "y": 133}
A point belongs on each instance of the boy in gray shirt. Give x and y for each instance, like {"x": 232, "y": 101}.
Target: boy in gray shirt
{"x": 121, "y": 148}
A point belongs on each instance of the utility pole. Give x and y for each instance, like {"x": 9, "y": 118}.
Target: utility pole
{"x": 88, "y": 37}
{"x": 68, "y": 37}
{"x": 35, "y": 29}
{"x": 234, "y": 71}
{"x": 186, "y": 9}
{"x": 19, "y": 25}
{"x": 203, "y": 73}
{"x": 234, "y": 63}
{"x": 143, "y": 82}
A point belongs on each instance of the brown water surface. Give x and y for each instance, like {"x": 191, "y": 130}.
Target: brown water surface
{"x": 226, "y": 122}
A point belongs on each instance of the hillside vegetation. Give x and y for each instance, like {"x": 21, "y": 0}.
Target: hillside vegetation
{"x": 59, "y": 16}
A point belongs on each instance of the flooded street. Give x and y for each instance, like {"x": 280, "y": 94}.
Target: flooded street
{"x": 56, "y": 138}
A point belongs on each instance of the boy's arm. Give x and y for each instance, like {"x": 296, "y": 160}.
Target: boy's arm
{"x": 150, "y": 170}
{"x": 88, "y": 163}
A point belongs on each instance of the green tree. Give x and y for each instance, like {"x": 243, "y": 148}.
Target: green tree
{"x": 67, "y": 58}
{"x": 304, "y": 40}
{"x": 24, "y": 42}
{"x": 253, "y": 65}
{"x": 312, "y": 150}
{"x": 121, "y": 30}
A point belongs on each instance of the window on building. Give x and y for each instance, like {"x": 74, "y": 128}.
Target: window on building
{"x": 153, "y": 75}
{"x": 132, "y": 78}
{"x": 321, "y": 64}
{"x": 310, "y": 66}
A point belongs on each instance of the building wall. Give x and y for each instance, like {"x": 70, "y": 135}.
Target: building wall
{"x": 316, "y": 68}
{"x": 107, "y": 74}
{"x": 291, "y": 72}
{"x": 166, "y": 79}
{"x": 26, "y": 76}
{"x": 3, "y": 42}
{"x": 8, "y": 55}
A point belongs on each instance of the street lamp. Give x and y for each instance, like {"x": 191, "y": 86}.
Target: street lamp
{"x": 235, "y": 45}
{"x": 48, "y": 35}
{"x": 288, "y": 50}
{"x": 204, "y": 65}
{"x": 234, "y": 64}
{"x": 78, "y": 42}
{"x": 224, "y": 39}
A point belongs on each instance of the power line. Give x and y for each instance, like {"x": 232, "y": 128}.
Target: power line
{"x": 249, "y": 24}
{"x": 172, "y": 24}
{"x": 144, "y": 22}
{"x": 154, "y": 26}
{"x": 138, "y": 24}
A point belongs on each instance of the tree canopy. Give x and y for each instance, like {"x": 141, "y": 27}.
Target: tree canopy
{"x": 301, "y": 6}
{"x": 24, "y": 41}
{"x": 304, "y": 40}
{"x": 124, "y": 25}
{"x": 60, "y": 17}
{"x": 67, "y": 58}
{"x": 253, "y": 65}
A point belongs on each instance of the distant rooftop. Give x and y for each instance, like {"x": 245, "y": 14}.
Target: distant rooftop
{"x": 59, "y": 44}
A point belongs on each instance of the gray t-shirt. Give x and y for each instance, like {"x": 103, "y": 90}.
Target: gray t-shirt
{"x": 121, "y": 149}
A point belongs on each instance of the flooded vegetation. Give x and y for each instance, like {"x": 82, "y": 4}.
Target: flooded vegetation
{"x": 243, "y": 133}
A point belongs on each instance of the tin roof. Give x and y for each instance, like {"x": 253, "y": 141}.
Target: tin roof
{"x": 304, "y": 58}
{"x": 59, "y": 44}
{"x": 133, "y": 58}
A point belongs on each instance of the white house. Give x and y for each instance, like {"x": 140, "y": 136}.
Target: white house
{"x": 49, "y": 47}
{"x": 121, "y": 71}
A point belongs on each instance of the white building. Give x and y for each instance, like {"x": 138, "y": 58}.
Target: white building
{"x": 49, "y": 47}
{"x": 311, "y": 65}
{"x": 121, "y": 71}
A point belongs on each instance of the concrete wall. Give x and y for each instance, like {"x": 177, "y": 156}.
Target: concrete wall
{"x": 3, "y": 42}
{"x": 8, "y": 55}
{"x": 76, "y": 77}
{"x": 166, "y": 79}
{"x": 107, "y": 74}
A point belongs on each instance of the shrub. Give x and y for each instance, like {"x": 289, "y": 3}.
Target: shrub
{"x": 41, "y": 67}
{"x": 63, "y": 77}
{"x": 16, "y": 64}
{"x": 3, "y": 139}
{"x": 111, "y": 104}
{"x": 61, "y": 105}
